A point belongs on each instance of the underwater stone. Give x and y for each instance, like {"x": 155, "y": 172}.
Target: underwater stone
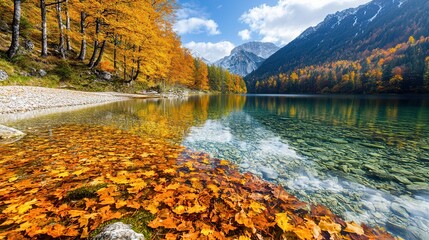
{"x": 370, "y": 145}
{"x": 269, "y": 173}
{"x": 338, "y": 140}
{"x": 118, "y": 231}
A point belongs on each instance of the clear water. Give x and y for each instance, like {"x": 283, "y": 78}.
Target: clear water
{"x": 366, "y": 158}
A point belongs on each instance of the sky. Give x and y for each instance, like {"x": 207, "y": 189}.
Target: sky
{"x": 212, "y": 28}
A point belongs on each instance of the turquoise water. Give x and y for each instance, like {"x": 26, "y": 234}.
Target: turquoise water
{"x": 366, "y": 158}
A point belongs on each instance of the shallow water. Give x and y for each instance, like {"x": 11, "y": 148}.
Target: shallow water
{"x": 366, "y": 158}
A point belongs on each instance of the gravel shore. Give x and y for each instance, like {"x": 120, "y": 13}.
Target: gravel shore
{"x": 18, "y": 99}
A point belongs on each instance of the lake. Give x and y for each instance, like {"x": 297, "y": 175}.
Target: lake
{"x": 364, "y": 157}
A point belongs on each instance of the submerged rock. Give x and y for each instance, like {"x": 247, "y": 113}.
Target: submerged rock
{"x": 370, "y": 145}
{"x": 9, "y": 135}
{"x": 118, "y": 231}
{"x": 338, "y": 140}
{"x": 269, "y": 173}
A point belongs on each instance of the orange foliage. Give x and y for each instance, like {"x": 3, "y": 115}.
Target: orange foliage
{"x": 191, "y": 195}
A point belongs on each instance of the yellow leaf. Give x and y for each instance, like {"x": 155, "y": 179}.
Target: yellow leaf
{"x": 170, "y": 170}
{"x": 149, "y": 173}
{"x": 137, "y": 186}
{"x": 244, "y": 238}
{"x": 24, "y": 226}
{"x": 152, "y": 208}
{"x": 328, "y": 225}
{"x": 206, "y": 231}
{"x": 257, "y": 207}
{"x": 282, "y": 221}
{"x": 224, "y": 162}
{"x": 63, "y": 174}
{"x": 26, "y": 206}
{"x": 179, "y": 209}
{"x": 121, "y": 179}
{"x": 173, "y": 186}
{"x": 120, "y": 203}
{"x": 79, "y": 172}
{"x": 12, "y": 179}
{"x": 354, "y": 228}
{"x": 11, "y": 208}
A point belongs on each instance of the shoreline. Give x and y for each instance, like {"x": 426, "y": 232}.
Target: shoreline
{"x": 22, "y": 99}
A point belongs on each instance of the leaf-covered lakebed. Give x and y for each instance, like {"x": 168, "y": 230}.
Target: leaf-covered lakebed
{"x": 69, "y": 180}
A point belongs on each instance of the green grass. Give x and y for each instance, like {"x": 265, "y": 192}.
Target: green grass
{"x": 84, "y": 192}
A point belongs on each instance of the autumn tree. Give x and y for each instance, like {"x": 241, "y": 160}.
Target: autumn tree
{"x": 201, "y": 73}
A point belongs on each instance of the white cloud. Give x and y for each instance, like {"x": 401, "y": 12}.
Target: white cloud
{"x": 245, "y": 34}
{"x": 284, "y": 21}
{"x": 196, "y": 25}
{"x": 210, "y": 51}
{"x": 193, "y": 20}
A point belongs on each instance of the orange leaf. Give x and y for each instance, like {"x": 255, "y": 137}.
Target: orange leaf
{"x": 56, "y": 230}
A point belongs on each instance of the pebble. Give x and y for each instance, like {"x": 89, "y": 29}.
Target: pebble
{"x": 15, "y": 99}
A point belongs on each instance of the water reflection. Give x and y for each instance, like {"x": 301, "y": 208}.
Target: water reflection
{"x": 159, "y": 118}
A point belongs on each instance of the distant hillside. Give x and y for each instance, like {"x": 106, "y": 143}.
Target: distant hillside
{"x": 245, "y": 58}
{"x": 352, "y": 35}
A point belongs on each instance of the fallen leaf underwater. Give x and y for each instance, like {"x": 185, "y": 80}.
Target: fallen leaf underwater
{"x": 191, "y": 195}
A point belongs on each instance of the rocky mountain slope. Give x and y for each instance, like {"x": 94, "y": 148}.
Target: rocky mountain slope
{"x": 349, "y": 34}
{"x": 245, "y": 58}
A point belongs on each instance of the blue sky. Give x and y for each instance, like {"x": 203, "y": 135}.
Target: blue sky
{"x": 211, "y": 28}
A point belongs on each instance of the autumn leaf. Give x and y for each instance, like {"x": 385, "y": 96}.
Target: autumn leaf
{"x": 12, "y": 179}
{"x": 149, "y": 173}
{"x": 56, "y": 230}
{"x": 257, "y": 207}
{"x": 282, "y": 221}
{"x": 206, "y": 231}
{"x": 327, "y": 224}
{"x": 244, "y": 238}
{"x": 243, "y": 219}
{"x": 179, "y": 209}
{"x": 354, "y": 228}
{"x": 23, "y": 208}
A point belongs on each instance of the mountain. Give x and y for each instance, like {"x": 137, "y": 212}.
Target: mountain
{"x": 198, "y": 55}
{"x": 245, "y": 58}
{"x": 349, "y": 35}
{"x": 260, "y": 49}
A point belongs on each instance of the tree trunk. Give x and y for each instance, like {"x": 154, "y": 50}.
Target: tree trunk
{"x": 115, "y": 51}
{"x": 125, "y": 67}
{"x": 60, "y": 28}
{"x": 100, "y": 56}
{"x": 82, "y": 53}
{"x": 94, "y": 53}
{"x": 138, "y": 66}
{"x": 13, "y": 49}
{"x": 44, "y": 29}
{"x": 68, "y": 40}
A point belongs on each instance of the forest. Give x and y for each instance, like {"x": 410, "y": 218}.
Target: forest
{"x": 403, "y": 68}
{"x": 131, "y": 39}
